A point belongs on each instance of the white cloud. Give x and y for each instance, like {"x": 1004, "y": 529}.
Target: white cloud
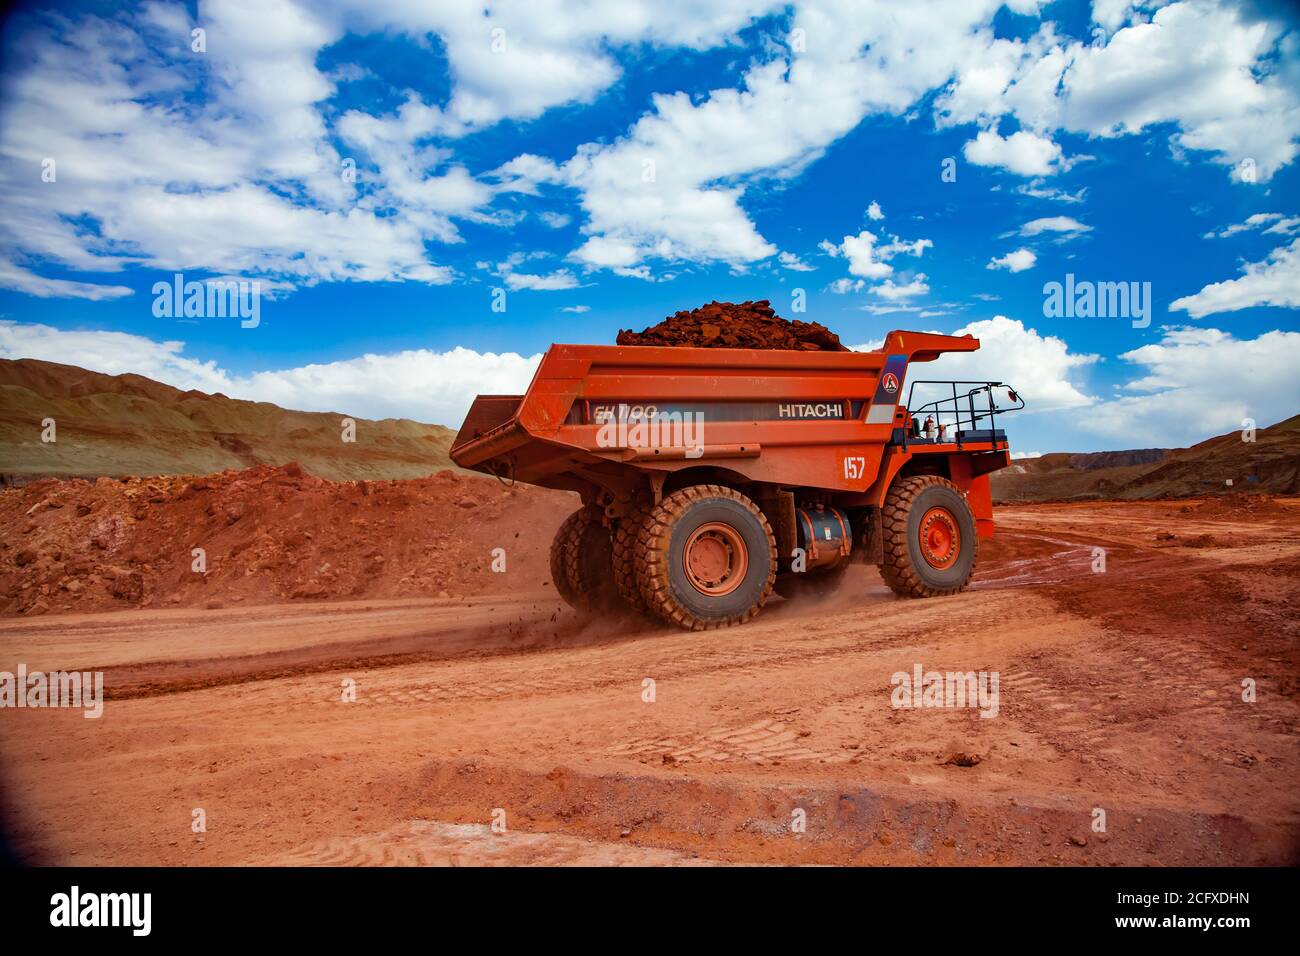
{"x": 1040, "y": 367}
{"x": 1277, "y": 224}
{"x": 1285, "y": 226}
{"x": 888, "y": 290}
{"x": 1023, "y": 153}
{"x": 14, "y": 276}
{"x": 792, "y": 262}
{"x": 860, "y": 251}
{"x": 544, "y": 55}
{"x": 898, "y": 246}
{"x": 1275, "y": 281}
{"x": 1036, "y": 190}
{"x": 240, "y": 180}
{"x": 1210, "y": 68}
{"x": 267, "y": 289}
{"x": 845, "y": 286}
{"x": 113, "y": 353}
{"x": 610, "y": 253}
{"x": 551, "y": 282}
{"x": 869, "y": 260}
{"x": 671, "y": 187}
{"x": 231, "y": 162}
{"x": 1016, "y": 261}
{"x": 1111, "y": 14}
{"x": 896, "y": 308}
{"x": 234, "y": 161}
{"x": 1224, "y": 97}
{"x": 1065, "y": 225}
{"x": 874, "y": 212}
{"x": 523, "y": 174}
{"x": 576, "y": 309}
{"x": 1166, "y": 405}
{"x": 554, "y": 281}
{"x": 420, "y": 384}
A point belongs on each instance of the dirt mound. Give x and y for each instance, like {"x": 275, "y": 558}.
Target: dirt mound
{"x": 266, "y": 534}
{"x": 726, "y": 325}
{"x": 130, "y": 425}
{"x": 1240, "y": 506}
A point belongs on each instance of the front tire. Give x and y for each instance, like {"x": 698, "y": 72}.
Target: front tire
{"x": 705, "y": 558}
{"x": 929, "y": 537}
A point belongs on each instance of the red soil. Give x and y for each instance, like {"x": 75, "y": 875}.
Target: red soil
{"x": 269, "y": 534}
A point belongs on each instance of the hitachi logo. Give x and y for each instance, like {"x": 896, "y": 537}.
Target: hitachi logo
{"x": 815, "y": 410}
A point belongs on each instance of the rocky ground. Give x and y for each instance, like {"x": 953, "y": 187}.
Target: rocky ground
{"x": 1121, "y": 690}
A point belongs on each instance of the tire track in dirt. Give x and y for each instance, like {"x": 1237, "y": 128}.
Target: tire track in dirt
{"x": 670, "y": 655}
{"x": 1103, "y": 703}
{"x": 432, "y": 843}
{"x": 766, "y": 740}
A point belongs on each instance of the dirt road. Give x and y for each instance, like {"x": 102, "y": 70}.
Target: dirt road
{"x": 1120, "y": 698}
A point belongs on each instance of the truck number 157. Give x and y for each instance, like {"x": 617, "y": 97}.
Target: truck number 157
{"x": 855, "y": 467}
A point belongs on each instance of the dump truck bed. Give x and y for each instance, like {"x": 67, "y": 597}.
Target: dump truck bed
{"x": 809, "y": 419}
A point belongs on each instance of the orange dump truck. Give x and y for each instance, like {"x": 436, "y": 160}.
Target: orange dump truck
{"x": 711, "y": 477}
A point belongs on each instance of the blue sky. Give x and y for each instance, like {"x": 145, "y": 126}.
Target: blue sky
{"x": 606, "y": 165}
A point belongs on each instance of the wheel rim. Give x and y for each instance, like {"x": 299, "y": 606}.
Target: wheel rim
{"x": 715, "y": 559}
{"x": 940, "y": 538}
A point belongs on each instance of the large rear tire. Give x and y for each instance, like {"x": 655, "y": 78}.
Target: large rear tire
{"x": 626, "y": 533}
{"x": 705, "y": 558}
{"x": 581, "y": 558}
{"x": 929, "y": 537}
{"x": 561, "y": 544}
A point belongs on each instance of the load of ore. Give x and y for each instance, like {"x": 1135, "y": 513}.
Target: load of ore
{"x": 726, "y": 325}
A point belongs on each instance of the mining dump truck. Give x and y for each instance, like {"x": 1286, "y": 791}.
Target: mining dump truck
{"x": 710, "y": 477}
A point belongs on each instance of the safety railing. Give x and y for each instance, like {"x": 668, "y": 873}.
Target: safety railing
{"x": 957, "y": 417}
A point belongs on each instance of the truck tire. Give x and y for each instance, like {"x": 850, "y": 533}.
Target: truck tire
{"x": 560, "y": 546}
{"x": 581, "y": 558}
{"x": 705, "y": 558}
{"x": 624, "y": 555}
{"x": 929, "y": 537}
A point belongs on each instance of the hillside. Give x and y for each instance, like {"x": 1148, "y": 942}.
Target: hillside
{"x": 130, "y": 425}
{"x": 1271, "y": 463}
